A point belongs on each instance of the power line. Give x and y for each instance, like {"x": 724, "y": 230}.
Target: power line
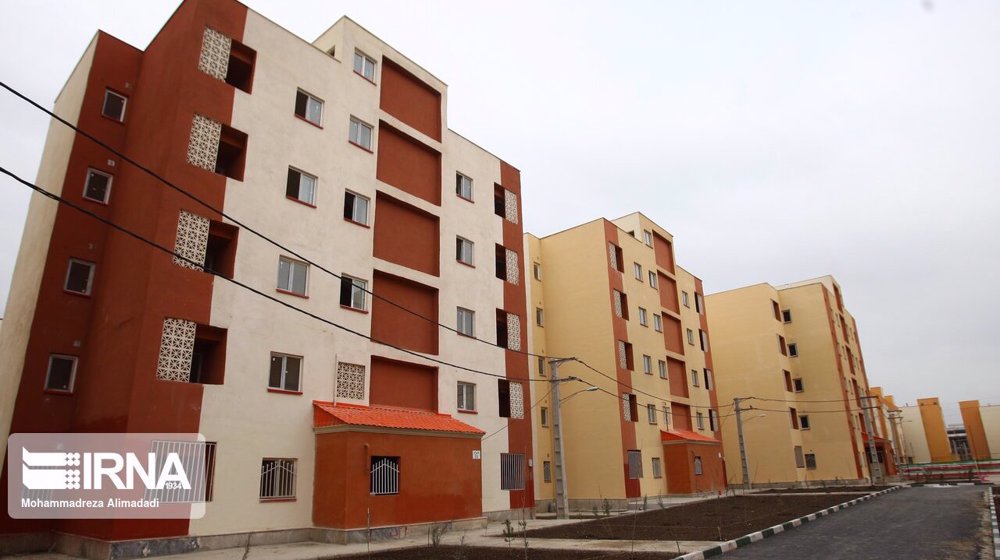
{"x": 208, "y": 206}
{"x": 641, "y": 392}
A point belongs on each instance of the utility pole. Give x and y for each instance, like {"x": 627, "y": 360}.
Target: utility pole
{"x": 562, "y": 498}
{"x": 743, "y": 446}
{"x": 876, "y": 467}
{"x": 896, "y": 447}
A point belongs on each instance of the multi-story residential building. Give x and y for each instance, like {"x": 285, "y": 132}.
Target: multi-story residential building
{"x": 390, "y": 225}
{"x": 925, "y": 432}
{"x": 793, "y": 357}
{"x": 609, "y": 294}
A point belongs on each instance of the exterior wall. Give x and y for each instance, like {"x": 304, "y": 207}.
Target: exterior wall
{"x": 975, "y": 431}
{"x": 545, "y": 491}
{"x": 914, "y": 434}
{"x": 990, "y": 415}
{"x": 935, "y": 431}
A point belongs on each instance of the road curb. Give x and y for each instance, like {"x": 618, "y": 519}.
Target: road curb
{"x": 746, "y": 540}
{"x": 993, "y": 523}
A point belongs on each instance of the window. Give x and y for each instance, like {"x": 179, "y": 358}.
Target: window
{"x": 634, "y": 464}
{"x": 663, "y": 369}
{"x": 637, "y": 270}
{"x": 630, "y": 407}
{"x": 510, "y": 398}
{"x": 356, "y": 208}
{"x": 642, "y": 317}
{"x": 463, "y": 186}
{"x": 651, "y": 413}
{"x": 793, "y": 350}
{"x": 647, "y": 365}
{"x": 647, "y": 237}
{"x": 797, "y": 384}
{"x": 788, "y": 381}
{"x": 781, "y": 345}
{"x": 277, "y": 479}
{"x": 61, "y": 374}
{"x": 699, "y": 420}
{"x": 364, "y": 65}
{"x": 617, "y": 259}
{"x": 703, "y": 336}
{"x": 114, "y": 105}
{"x": 800, "y": 461}
{"x": 690, "y": 337}
{"x": 786, "y": 315}
{"x": 804, "y": 422}
{"x": 511, "y": 471}
{"x": 544, "y": 416}
{"x": 777, "y": 309}
{"x": 292, "y": 276}
{"x": 301, "y": 186}
{"x": 652, "y": 279}
{"x": 537, "y": 271}
{"x": 794, "y": 414}
{"x": 508, "y": 330}
{"x": 539, "y": 317}
{"x": 97, "y": 187}
{"x": 541, "y": 366}
{"x": 353, "y": 292}
{"x": 699, "y": 303}
{"x": 384, "y": 476}
{"x": 499, "y": 201}
{"x": 694, "y": 378}
{"x": 465, "y": 251}
{"x": 708, "y": 379}
{"x": 231, "y": 157}
{"x": 657, "y": 322}
{"x": 546, "y": 471}
{"x": 239, "y": 71}
{"x": 685, "y": 299}
{"x": 308, "y": 107}
{"x": 625, "y": 357}
{"x": 666, "y": 415}
{"x": 657, "y": 468}
{"x": 79, "y": 277}
{"x": 286, "y": 373}
{"x": 810, "y": 460}
{"x": 360, "y": 134}
{"x": 697, "y": 466}
{"x": 712, "y": 425}
{"x": 466, "y": 397}
{"x": 466, "y": 322}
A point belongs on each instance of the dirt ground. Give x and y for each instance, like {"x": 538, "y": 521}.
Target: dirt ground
{"x": 514, "y": 552}
{"x": 825, "y": 489}
{"x": 711, "y": 520}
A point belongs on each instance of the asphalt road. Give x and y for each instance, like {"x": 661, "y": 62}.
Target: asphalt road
{"x": 913, "y": 523}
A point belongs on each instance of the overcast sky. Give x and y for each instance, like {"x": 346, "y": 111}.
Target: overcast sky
{"x": 777, "y": 141}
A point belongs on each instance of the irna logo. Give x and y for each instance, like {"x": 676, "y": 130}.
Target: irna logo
{"x": 92, "y": 471}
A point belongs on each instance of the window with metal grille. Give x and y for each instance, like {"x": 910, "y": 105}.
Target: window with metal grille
{"x": 277, "y": 479}
{"x": 634, "y": 464}
{"x": 511, "y": 471}
{"x": 697, "y": 466}
{"x": 800, "y": 460}
{"x": 546, "y": 471}
{"x": 810, "y": 460}
{"x": 197, "y": 458}
{"x": 385, "y": 476}
{"x": 657, "y": 468}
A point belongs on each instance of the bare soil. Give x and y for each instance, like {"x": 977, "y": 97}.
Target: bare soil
{"x": 515, "y": 552}
{"x": 712, "y": 520}
{"x": 826, "y": 490}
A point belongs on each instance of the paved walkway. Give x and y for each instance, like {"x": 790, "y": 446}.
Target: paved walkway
{"x": 913, "y": 523}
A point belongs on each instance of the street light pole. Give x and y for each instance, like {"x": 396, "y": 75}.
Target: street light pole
{"x": 742, "y": 443}
{"x": 562, "y": 498}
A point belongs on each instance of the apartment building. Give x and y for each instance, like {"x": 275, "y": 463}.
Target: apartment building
{"x": 925, "y": 432}
{"x": 389, "y": 224}
{"x": 930, "y": 440}
{"x": 792, "y": 355}
{"x": 641, "y": 419}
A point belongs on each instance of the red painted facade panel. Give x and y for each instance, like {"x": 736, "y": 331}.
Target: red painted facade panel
{"x": 402, "y": 384}
{"x": 406, "y": 235}
{"x": 668, "y": 293}
{"x": 673, "y": 336}
{"x": 664, "y": 251}
{"x": 677, "y": 376}
{"x": 414, "y": 327}
{"x": 681, "y": 473}
{"x": 408, "y": 164}
{"x": 410, "y": 100}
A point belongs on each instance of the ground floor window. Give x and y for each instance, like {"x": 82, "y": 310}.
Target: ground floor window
{"x": 697, "y": 466}
{"x": 511, "y": 471}
{"x": 385, "y": 475}
{"x": 277, "y": 479}
{"x": 635, "y": 464}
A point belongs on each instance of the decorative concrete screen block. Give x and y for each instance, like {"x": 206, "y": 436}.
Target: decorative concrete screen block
{"x": 513, "y": 272}
{"x": 513, "y": 332}
{"x": 618, "y": 303}
{"x": 516, "y": 401}
{"x": 203, "y": 146}
{"x": 613, "y": 254}
{"x": 192, "y": 240}
{"x": 622, "y": 358}
{"x": 176, "y": 350}
{"x": 510, "y": 206}
{"x": 214, "y": 59}
{"x": 626, "y": 408}
{"x": 350, "y": 381}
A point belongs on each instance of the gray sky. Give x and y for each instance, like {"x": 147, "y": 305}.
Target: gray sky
{"x": 777, "y": 141}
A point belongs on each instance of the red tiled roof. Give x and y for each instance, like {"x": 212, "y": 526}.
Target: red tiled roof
{"x": 685, "y": 435}
{"x": 332, "y": 414}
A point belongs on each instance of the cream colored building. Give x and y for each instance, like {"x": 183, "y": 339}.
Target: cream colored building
{"x": 609, "y": 294}
{"x": 791, "y": 354}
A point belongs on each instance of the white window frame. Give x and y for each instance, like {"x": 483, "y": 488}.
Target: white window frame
{"x": 359, "y": 292}
{"x": 647, "y": 364}
{"x": 466, "y": 401}
{"x": 690, "y": 337}
{"x": 709, "y": 379}
{"x": 694, "y": 378}
{"x": 104, "y": 105}
{"x": 647, "y": 237}
{"x": 657, "y": 468}
{"x": 303, "y": 176}
{"x": 465, "y": 321}
{"x": 651, "y": 413}
{"x": 354, "y": 134}
{"x": 465, "y": 251}
{"x": 72, "y": 373}
{"x": 462, "y": 183}
{"x": 539, "y": 316}
{"x": 358, "y": 199}
{"x": 652, "y": 278}
{"x": 699, "y": 420}
{"x": 313, "y": 104}
{"x": 536, "y": 269}
{"x": 703, "y": 336}
{"x": 283, "y": 381}
{"x": 643, "y": 319}
{"x": 293, "y": 265}
{"x": 90, "y": 276}
{"x": 637, "y": 270}
{"x": 657, "y": 322}
{"x": 280, "y": 464}
{"x": 107, "y": 191}
{"x": 662, "y": 365}
{"x": 368, "y": 65}
{"x": 685, "y": 299}
{"x": 543, "y": 416}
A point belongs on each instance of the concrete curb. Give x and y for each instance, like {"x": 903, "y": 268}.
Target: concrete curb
{"x": 994, "y": 524}
{"x": 745, "y": 540}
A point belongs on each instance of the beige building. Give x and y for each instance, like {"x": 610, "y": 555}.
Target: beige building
{"x": 609, "y": 294}
{"x": 791, "y": 354}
